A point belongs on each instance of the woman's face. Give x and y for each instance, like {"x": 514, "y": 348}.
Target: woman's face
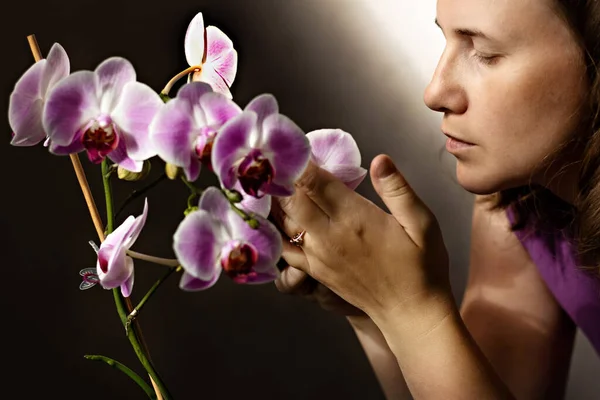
{"x": 510, "y": 81}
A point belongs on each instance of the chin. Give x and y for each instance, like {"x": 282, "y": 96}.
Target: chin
{"x": 482, "y": 182}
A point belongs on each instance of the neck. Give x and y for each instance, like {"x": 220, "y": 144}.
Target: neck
{"x": 562, "y": 177}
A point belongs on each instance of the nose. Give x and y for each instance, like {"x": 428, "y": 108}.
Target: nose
{"x": 445, "y": 92}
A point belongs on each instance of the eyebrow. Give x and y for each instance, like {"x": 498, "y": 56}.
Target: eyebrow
{"x": 468, "y": 32}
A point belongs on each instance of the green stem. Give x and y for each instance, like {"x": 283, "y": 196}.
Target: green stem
{"x": 137, "y": 193}
{"x": 127, "y": 371}
{"x": 190, "y": 185}
{"x": 132, "y": 334}
{"x": 150, "y": 292}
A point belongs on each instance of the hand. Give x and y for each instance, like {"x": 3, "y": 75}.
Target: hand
{"x": 374, "y": 260}
{"x": 297, "y": 282}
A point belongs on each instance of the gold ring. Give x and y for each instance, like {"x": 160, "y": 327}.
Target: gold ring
{"x": 298, "y": 239}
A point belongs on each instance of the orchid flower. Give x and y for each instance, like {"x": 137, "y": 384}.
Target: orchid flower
{"x": 215, "y": 238}
{"x": 183, "y": 131}
{"x": 105, "y": 112}
{"x": 336, "y": 151}
{"x": 29, "y": 96}
{"x": 212, "y": 52}
{"x": 263, "y": 150}
{"x": 114, "y": 266}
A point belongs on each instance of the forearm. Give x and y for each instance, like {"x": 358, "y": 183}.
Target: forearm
{"x": 438, "y": 356}
{"x": 382, "y": 360}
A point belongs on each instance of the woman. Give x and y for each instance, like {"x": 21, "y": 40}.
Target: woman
{"x": 519, "y": 91}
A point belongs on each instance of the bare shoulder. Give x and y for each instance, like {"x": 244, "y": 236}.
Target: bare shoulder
{"x": 501, "y": 272}
{"x": 511, "y": 313}
{"x": 495, "y": 249}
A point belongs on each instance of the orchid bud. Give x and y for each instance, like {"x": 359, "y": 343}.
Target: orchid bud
{"x": 233, "y": 196}
{"x": 173, "y": 171}
{"x": 131, "y": 176}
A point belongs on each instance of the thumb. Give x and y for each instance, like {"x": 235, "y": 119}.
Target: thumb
{"x": 399, "y": 197}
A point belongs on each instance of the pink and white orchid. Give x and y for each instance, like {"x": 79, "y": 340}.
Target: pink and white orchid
{"x": 105, "y": 112}
{"x": 216, "y": 239}
{"x": 29, "y": 96}
{"x": 114, "y": 266}
{"x": 183, "y": 131}
{"x": 337, "y": 152}
{"x": 261, "y": 149}
{"x": 212, "y": 52}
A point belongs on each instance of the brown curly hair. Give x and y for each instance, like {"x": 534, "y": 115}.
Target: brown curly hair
{"x": 582, "y": 218}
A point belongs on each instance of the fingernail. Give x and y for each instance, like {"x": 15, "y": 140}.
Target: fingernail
{"x": 385, "y": 169}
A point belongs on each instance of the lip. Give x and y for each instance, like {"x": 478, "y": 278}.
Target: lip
{"x": 455, "y": 145}
{"x": 457, "y": 139}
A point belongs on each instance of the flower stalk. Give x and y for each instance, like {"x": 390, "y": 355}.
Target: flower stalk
{"x": 126, "y": 370}
{"x": 185, "y": 72}
{"x": 134, "y": 335}
{"x": 132, "y": 315}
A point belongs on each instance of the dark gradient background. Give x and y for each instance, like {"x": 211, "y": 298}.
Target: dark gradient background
{"x": 228, "y": 342}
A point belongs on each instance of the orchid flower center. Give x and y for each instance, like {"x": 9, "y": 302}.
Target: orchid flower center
{"x": 238, "y": 260}
{"x": 99, "y": 139}
{"x": 254, "y": 171}
{"x": 204, "y": 146}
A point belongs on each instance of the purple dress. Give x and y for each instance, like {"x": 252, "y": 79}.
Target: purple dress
{"x": 577, "y": 291}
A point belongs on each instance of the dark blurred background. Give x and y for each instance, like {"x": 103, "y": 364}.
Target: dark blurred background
{"x": 228, "y": 342}
{"x": 359, "y": 65}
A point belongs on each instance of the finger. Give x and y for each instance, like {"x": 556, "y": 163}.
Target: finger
{"x": 328, "y": 192}
{"x": 399, "y": 197}
{"x": 297, "y": 212}
{"x": 294, "y": 281}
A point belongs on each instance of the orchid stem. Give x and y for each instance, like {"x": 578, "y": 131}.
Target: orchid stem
{"x": 150, "y": 292}
{"x": 127, "y": 371}
{"x": 177, "y": 77}
{"x": 190, "y": 185}
{"x": 134, "y": 335}
{"x": 137, "y": 193}
{"x": 168, "y": 262}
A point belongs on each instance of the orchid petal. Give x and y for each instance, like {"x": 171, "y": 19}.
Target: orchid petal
{"x": 136, "y": 109}
{"x": 252, "y": 204}
{"x": 195, "y": 41}
{"x": 25, "y": 115}
{"x": 334, "y": 147}
{"x": 289, "y": 149}
{"x": 173, "y": 138}
{"x": 193, "y": 91}
{"x": 220, "y": 54}
{"x": 120, "y": 157}
{"x": 352, "y": 176}
{"x": 212, "y": 77}
{"x": 191, "y": 284}
{"x": 114, "y": 261}
{"x": 75, "y": 147}
{"x": 214, "y": 202}
{"x": 113, "y": 74}
{"x": 70, "y": 105}
{"x": 218, "y": 109}
{"x": 231, "y": 145}
{"x": 191, "y": 94}
{"x": 127, "y": 286}
{"x": 266, "y": 240}
{"x": 57, "y": 68}
{"x": 263, "y": 105}
{"x": 26, "y": 106}
{"x": 137, "y": 226}
{"x": 197, "y": 243}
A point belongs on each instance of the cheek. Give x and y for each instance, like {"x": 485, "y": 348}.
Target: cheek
{"x": 518, "y": 117}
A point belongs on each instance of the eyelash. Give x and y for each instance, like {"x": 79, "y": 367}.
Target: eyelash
{"x": 487, "y": 60}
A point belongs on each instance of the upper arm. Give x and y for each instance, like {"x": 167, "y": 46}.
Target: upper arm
{"x": 510, "y": 312}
